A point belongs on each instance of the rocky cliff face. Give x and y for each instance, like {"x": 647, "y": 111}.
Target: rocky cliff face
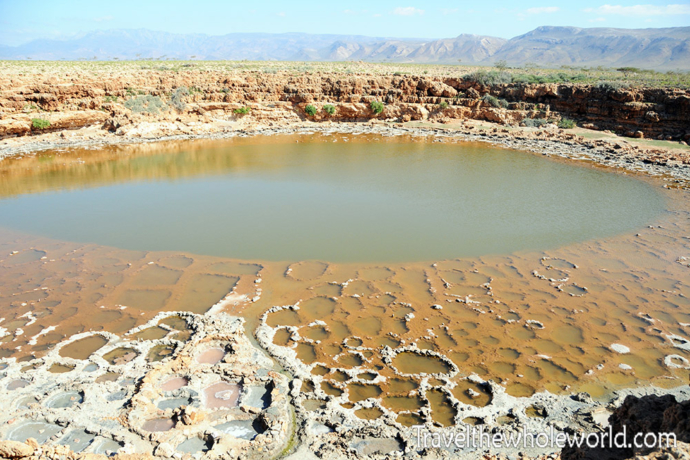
{"x": 74, "y": 100}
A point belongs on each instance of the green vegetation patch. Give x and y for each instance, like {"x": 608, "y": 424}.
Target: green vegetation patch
{"x": 494, "y": 101}
{"x": 566, "y": 123}
{"x": 376, "y": 107}
{"x": 146, "y": 104}
{"x": 177, "y": 98}
{"x": 310, "y": 110}
{"x": 40, "y": 123}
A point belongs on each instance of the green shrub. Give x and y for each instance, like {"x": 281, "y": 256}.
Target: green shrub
{"x": 489, "y": 78}
{"x": 146, "y": 104}
{"x": 310, "y": 110}
{"x": 535, "y": 122}
{"x": 494, "y": 101}
{"x": 443, "y": 105}
{"x": 566, "y": 123}
{"x": 242, "y": 110}
{"x": 376, "y": 107}
{"x": 177, "y": 98}
{"x": 611, "y": 85}
{"x": 559, "y": 77}
{"x": 329, "y": 109}
{"x": 40, "y": 123}
{"x": 111, "y": 99}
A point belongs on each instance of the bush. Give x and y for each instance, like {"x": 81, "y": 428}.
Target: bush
{"x": 145, "y": 104}
{"x": 611, "y": 85}
{"x": 566, "y": 123}
{"x": 559, "y": 77}
{"x": 376, "y": 107}
{"x": 489, "y": 78}
{"x": 310, "y": 110}
{"x": 535, "y": 122}
{"x": 329, "y": 109}
{"x": 111, "y": 99}
{"x": 177, "y": 98}
{"x": 242, "y": 111}
{"x": 40, "y": 123}
{"x": 443, "y": 105}
{"x": 494, "y": 101}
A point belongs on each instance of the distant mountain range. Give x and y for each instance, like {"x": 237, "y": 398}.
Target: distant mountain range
{"x": 663, "y": 49}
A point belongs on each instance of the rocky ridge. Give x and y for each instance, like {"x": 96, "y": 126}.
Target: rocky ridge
{"x": 76, "y": 100}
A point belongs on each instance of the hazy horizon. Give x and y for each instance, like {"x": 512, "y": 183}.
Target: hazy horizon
{"x": 23, "y": 22}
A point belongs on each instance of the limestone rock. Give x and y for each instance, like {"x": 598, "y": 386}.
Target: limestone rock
{"x": 15, "y": 449}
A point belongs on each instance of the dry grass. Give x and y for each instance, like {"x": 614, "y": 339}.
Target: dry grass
{"x": 579, "y": 74}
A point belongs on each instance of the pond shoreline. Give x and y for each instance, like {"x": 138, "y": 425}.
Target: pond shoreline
{"x": 671, "y": 164}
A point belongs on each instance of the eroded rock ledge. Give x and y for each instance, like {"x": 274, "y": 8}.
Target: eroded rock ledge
{"x": 119, "y": 100}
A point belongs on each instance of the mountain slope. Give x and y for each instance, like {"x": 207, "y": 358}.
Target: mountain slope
{"x": 547, "y": 46}
{"x": 651, "y": 48}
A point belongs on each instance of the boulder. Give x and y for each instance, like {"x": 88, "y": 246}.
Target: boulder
{"x": 15, "y": 449}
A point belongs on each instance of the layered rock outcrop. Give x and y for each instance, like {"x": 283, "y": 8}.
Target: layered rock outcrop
{"x": 78, "y": 99}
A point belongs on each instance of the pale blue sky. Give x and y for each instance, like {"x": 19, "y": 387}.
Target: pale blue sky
{"x": 21, "y": 21}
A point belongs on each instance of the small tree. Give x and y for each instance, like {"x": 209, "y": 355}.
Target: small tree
{"x": 376, "y": 107}
{"x": 242, "y": 111}
{"x": 501, "y": 64}
{"x": 443, "y": 105}
{"x": 329, "y": 109}
{"x": 628, "y": 70}
{"x": 310, "y": 110}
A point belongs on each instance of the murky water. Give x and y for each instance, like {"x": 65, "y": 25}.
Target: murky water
{"x": 539, "y": 309}
{"x": 363, "y": 200}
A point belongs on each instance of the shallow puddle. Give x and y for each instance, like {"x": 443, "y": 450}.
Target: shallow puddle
{"x": 194, "y": 445}
{"x": 441, "y": 410}
{"x": 64, "y": 400}
{"x": 17, "y": 384}
{"x": 415, "y": 363}
{"x": 174, "y": 383}
{"x": 211, "y": 356}
{"x": 83, "y": 348}
{"x": 222, "y": 395}
{"x": 60, "y": 369}
{"x": 410, "y": 420}
{"x": 158, "y": 425}
{"x": 120, "y": 356}
{"x": 369, "y": 414}
{"x": 40, "y": 431}
{"x": 159, "y": 353}
{"x": 151, "y": 333}
{"x": 173, "y": 403}
{"x": 360, "y": 392}
{"x": 77, "y": 440}
{"x": 403, "y": 403}
{"x": 241, "y": 429}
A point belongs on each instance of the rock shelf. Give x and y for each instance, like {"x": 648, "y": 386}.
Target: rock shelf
{"x": 151, "y": 408}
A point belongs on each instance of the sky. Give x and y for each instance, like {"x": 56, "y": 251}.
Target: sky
{"x": 22, "y": 21}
